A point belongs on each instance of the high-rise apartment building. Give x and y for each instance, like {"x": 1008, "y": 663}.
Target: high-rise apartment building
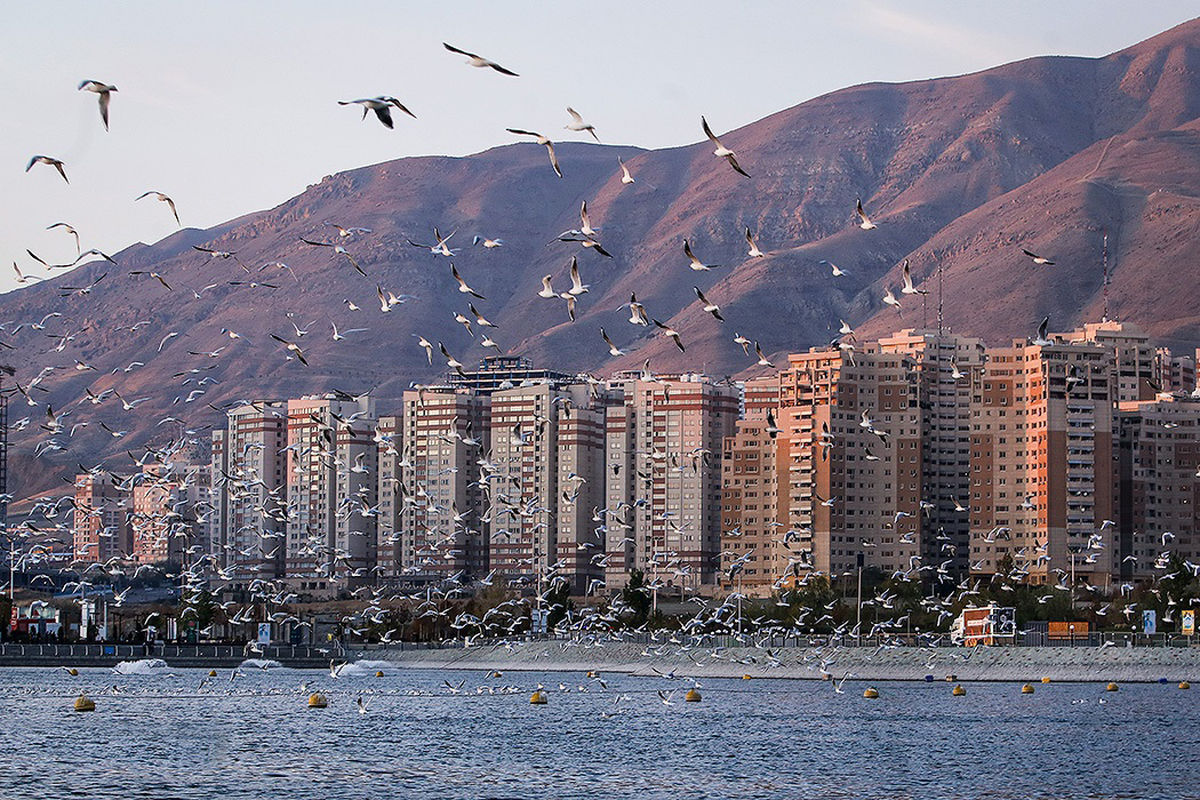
{"x": 247, "y": 521}
{"x": 547, "y": 448}
{"x": 331, "y": 485}
{"x": 1159, "y": 474}
{"x": 663, "y": 478}
{"x": 446, "y": 439}
{"x": 100, "y": 529}
{"x": 1042, "y": 461}
{"x": 389, "y": 444}
{"x": 851, "y": 441}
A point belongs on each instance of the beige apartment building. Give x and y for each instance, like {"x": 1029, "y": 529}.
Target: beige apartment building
{"x": 100, "y": 526}
{"x": 1042, "y": 462}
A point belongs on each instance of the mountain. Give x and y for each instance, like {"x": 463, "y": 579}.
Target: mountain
{"x": 1048, "y": 154}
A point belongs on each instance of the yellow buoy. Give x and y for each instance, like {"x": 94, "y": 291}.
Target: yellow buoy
{"x": 317, "y": 700}
{"x": 72, "y": 671}
{"x": 871, "y": 693}
{"x": 747, "y": 677}
{"x": 692, "y": 696}
{"x": 1045, "y": 680}
{"x": 85, "y": 703}
{"x": 593, "y": 673}
{"x": 538, "y": 698}
{"x": 1184, "y": 685}
{"x": 1112, "y": 687}
{"x": 1027, "y": 689}
{"x": 212, "y": 673}
{"x": 958, "y": 691}
{"x": 378, "y": 673}
{"x": 496, "y": 673}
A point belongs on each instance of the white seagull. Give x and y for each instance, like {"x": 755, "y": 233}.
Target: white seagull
{"x": 381, "y": 105}
{"x": 479, "y": 61}
{"x": 540, "y": 139}
{"x": 864, "y": 221}
{"x": 577, "y": 124}
{"x": 104, "y": 91}
{"x": 53, "y": 162}
{"x": 722, "y": 151}
{"x": 162, "y": 198}
{"x": 755, "y": 252}
{"x": 696, "y": 264}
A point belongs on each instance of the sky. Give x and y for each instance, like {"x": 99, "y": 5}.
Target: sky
{"x": 231, "y": 106}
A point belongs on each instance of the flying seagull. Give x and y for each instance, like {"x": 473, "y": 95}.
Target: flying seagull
{"x": 462, "y": 285}
{"x": 441, "y": 248}
{"x": 696, "y": 264}
{"x": 837, "y": 271}
{"x": 1043, "y": 337}
{"x": 722, "y": 151}
{"x": 577, "y": 124}
{"x": 540, "y": 139}
{"x": 163, "y": 198}
{"x": 908, "y": 282}
{"x": 380, "y": 105}
{"x": 69, "y": 230}
{"x": 104, "y": 91}
{"x": 337, "y": 248}
{"x": 479, "y": 61}
{"x": 613, "y": 350}
{"x": 754, "y": 252}
{"x": 709, "y": 306}
{"x": 864, "y": 221}
{"x": 625, "y": 176}
{"x": 1040, "y": 260}
{"x": 53, "y": 162}
{"x": 669, "y": 331}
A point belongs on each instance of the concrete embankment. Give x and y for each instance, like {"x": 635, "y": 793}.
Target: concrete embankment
{"x": 1143, "y": 664}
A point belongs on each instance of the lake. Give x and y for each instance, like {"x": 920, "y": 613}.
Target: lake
{"x": 158, "y": 733}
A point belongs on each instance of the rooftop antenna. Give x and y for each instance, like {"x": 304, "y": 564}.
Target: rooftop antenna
{"x": 939, "y": 290}
{"x": 1104, "y": 316}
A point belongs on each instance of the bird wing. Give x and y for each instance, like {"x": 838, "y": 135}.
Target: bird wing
{"x": 454, "y": 49}
{"x": 708, "y": 132}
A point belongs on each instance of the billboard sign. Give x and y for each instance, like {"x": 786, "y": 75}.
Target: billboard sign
{"x": 1187, "y": 625}
{"x": 1149, "y": 621}
{"x": 264, "y": 633}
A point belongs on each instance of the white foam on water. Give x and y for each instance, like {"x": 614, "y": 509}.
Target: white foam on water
{"x": 365, "y": 668}
{"x": 144, "y": 666}
{"x": 259, "y": 663}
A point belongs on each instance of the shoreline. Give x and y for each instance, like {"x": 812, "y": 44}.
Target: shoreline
{"x": 1007, "y": 664}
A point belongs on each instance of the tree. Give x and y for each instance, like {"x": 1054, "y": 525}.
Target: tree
{"x": 636, "y": 597}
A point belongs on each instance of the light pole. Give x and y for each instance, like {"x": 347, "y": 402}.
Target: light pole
{"x": 858, "y": 625}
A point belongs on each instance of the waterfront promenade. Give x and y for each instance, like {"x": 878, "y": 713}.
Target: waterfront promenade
{"x": 1077, "y": 664}
{"x": 176, "y": 655}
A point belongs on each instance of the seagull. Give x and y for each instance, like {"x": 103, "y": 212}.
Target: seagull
{"x": 837, "y": 271}
{"x": 625, "y": 176}
{"x": 479, "y": 61}
{"x": 425, "y": 343}
{"x": 337, "y": 248}
{"x": 763, "y": 361}
{"x": 577, "y": 124}
{"x": 488, "y": 243}
{"x": 669, "y": 331}
{"x": 696, "y": 264}
{"x": 154, "y": 275}
{"x": 53, "y": 162}
{"x": 69, "y": 230}
{"x": 292, "y": 347}
{"x": 440, "y": 248}
{"x": 864, "y": 221}
{"x": 613, "y": 350}
{"x": 577, "y": 286}
{"x": 585, "y": 226}
{"x": 547, "y": 290}
{"x": 163, "y": 198}
{"x": 451, "y": 361}
{"x": 709, "y": 306}
{"x": 908, "y": 284}
{"x": 222, "y": 254}
{"x": 1043, "y": 338}
{"x": 754, "y": 251}
{"x": 104, "y": 91}
{"x": 346, "y": 232}
{"x": 380, "y": 105}
{"x": 890, "y": 300}
{"x": 722, "y": 151}
{"x": 637, "y": 311}
{"x": 540, "y": 139}
{"x": 743, "y": 341}
{"x": 570, "y": 298}
{"x": 480, "y": 319}
{"x": 1040, "y": 260}
{"x": 462, "y": 285}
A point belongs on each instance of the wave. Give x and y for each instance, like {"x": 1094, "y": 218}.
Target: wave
{"x": 259, "y": 663}
{"x": 365, "y": 667}
{"x": 144, "y": 666}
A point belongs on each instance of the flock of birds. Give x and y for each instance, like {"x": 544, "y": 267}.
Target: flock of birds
{"x": 444, "y": 606}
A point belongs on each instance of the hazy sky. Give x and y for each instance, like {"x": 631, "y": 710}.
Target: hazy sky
{"x": 231, "y": 107}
